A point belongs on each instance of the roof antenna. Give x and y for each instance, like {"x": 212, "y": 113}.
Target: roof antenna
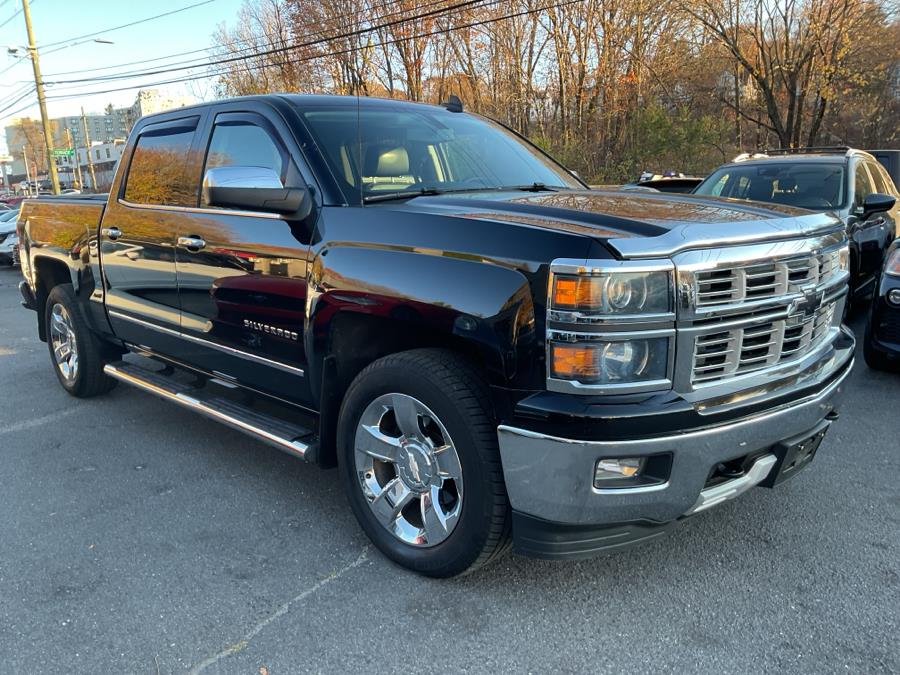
{"x": 453, "y": 104}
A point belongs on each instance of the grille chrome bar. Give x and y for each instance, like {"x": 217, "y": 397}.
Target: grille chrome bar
{"x": 735, "y": 351}
{"x": 763, "y": 281}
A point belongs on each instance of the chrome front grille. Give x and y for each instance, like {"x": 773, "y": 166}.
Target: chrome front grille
{"x": 720, "y": 354}
{"x": 759, "y": 281}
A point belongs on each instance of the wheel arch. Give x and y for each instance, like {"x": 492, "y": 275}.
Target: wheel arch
{"x": 49, "y": 272}
{"x": 367, "y": 303}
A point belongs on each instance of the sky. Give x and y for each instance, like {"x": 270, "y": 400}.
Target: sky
{"x": 58, "y": 23}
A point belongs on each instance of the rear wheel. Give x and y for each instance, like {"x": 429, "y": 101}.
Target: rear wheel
{"x": 419, "y": 458}
{"x": 78, "y": 355}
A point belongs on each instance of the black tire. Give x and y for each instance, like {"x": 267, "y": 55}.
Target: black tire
{"x": 452, "y": 388}
{"x": 89, "y": 379}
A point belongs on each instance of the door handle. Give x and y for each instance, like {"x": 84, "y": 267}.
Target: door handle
{"x": 191, "y": 243}
{"x": 111, "y": 232}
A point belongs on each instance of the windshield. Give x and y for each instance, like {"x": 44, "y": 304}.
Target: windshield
{"x": 804, "y": 184}
{"x": 375, "y": 152}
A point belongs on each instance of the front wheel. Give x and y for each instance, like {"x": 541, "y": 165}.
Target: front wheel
{"x": 419, "y": 458}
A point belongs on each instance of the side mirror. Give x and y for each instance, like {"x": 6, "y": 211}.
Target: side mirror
{"x": 876, "y": 202}
{"x": 256, "y": 189}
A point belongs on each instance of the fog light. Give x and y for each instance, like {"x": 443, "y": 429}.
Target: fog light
{"x": 618, "y": 468}
{"x": 893, "y": 296}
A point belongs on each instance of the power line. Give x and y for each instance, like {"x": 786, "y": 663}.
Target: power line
{"x": 16, "y": 92}
{"x": 17, "y": 101}
{"x": 279, "y": 50}
{"x": 15, "y": 14}
{"x": 255, "y": 44}
{"x": 472, "y": 24}
{"x": 126, "y": 25}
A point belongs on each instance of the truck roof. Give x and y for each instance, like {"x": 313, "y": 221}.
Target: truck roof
{"x": 303, "y": 101}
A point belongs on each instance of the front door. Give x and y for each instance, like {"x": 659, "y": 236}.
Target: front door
{"x": 242, "y": 275}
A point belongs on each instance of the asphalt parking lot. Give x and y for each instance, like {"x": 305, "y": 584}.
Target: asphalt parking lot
{"x": 139, "y": 538}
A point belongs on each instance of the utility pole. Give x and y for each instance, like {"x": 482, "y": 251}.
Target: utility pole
{"x": 87, "y": 142}
{"x": 27, "y": 177}
{"x": 76, "y": 160}
{"x": 42, "y": 103}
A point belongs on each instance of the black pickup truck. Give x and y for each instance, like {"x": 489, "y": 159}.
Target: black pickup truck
{"x": 490, "y": 352}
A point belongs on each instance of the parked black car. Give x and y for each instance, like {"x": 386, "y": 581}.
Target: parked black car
{"x": 882, "y": 341}
{"x": 670, "y": 181}
{"x": 486, "y": 348}
{"x": 849, "y": 183}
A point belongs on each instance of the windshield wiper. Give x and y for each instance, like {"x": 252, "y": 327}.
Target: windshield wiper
{"x": 534, "y": 187}
{"x": 430, "y": 191}
{"x": 402, "y": 194}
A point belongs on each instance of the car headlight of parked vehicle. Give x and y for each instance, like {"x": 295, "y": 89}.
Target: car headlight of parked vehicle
{"x": 892, "y": 266}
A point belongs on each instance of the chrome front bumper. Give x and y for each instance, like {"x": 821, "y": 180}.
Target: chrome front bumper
{"x": 551, "y": 478}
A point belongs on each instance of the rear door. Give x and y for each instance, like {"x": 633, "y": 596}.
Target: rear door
{"x": 242, "y": 275}
{"x": 139, "y": 231}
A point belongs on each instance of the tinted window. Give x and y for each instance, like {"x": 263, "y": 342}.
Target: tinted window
{"x": 159, "y": 171}
{"x": 862, "y": 186}
{"x": 244, "y": 144}
{"x": 888, "y": 182}
{"x": 379, "y": 150}
{"x": 877, "y": 179}
{"x": 804, "y": 184}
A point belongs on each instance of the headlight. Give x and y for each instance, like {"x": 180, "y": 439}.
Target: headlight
{"x": 892, "y": 266}
{"x": 843, "y": 258}
{"x": 613, "y": 293}
{"x": 611, "y": 360}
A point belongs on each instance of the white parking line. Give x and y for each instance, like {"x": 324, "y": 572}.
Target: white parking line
{"x": 281, "y": 611}
{"x": 36, "y": 422}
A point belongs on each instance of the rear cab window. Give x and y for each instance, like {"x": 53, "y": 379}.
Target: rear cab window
{"x": 160, "y": 172}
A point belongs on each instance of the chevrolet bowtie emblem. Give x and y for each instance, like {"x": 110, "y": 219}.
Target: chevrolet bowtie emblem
{"x": 809, "y": 303}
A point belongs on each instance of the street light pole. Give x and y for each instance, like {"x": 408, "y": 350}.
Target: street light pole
{"x": 42, "y": 103}
{"x": 87, "y": 143}
{"x": 75, "y": 159}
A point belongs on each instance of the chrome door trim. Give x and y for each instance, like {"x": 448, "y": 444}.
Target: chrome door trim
{"x": 201, "y": 210}
{"x": 212, "y": 345}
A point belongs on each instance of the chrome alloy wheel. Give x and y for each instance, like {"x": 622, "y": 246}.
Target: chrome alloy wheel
{"x": 62, "y": 339}
{"x": 408, "y": 470}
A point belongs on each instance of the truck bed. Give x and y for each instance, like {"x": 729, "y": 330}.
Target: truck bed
{"x": 61, "y": 225}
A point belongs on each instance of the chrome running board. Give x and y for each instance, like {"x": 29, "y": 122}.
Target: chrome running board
{"x": 295, "y": 440}
{"x": 717, "y": 494}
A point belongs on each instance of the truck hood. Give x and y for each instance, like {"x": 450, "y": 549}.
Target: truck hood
{"x": 626, "y": 220}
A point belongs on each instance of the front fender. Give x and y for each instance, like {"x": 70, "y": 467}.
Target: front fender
{"x": 422, "y": 298}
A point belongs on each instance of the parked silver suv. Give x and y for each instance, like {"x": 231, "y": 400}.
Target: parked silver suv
{"x": 849, "y": 183}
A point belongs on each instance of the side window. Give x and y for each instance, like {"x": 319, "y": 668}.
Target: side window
{"x": 720, "y": 185}
{"x": 862, "y": 184}
{"x": 159, "y": 172}
{"x": 244, "y": 144}
{"x": 888, "y": 181}
{"x": 877, "y": 179}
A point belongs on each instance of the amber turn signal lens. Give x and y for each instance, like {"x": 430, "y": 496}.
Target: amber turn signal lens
{"x": 574, "y": 362}
{"x": 573, "y": 292}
